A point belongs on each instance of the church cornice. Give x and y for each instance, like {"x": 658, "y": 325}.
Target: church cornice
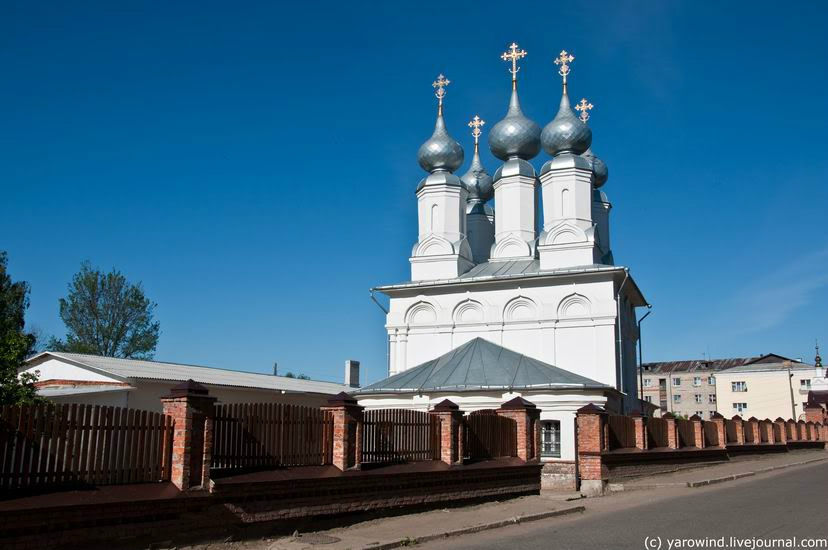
{"x": 595, "y": 273}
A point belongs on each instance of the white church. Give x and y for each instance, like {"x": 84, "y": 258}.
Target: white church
{"x": 521, "y": 298}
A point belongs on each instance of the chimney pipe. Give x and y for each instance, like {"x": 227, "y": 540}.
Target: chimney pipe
{"x": 352, "y": 373}
{"x": 275, "y": 368}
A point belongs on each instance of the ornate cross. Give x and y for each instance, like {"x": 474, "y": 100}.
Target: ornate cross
{"x": 564, "y": 59}
{"x": 584, "y": 106}
{"x": 513, "y": 55}
{"x": 475, "y": 124}
{"x": 440, "y": 87}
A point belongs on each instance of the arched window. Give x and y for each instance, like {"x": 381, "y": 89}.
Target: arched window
{"x": 435, "y": 213}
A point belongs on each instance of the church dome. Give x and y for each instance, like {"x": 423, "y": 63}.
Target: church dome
{"x": 515, "y": 135}
{"x": 477, "y": 181}
{"x": 600, "y": 171}
{"x": 441, "y": 151}
{"x": 566, "y": 133}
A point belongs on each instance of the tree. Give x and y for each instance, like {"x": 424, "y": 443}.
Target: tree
{"x": 107, "y": 315}
{"x": 15, "y": 343}
{"x": 289, "y": 374}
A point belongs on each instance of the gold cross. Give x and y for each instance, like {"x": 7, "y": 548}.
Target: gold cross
{"x": 584, "y": 106}
{"x": 513, "y": 55}
{"x": 564, "y": 59}
{"x": 440, "y": 85}
{"x": 475, "y": 124}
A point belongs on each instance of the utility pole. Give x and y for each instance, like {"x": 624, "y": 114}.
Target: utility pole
{"x": 790, "y": 385}
{"x": 640, "y": 356}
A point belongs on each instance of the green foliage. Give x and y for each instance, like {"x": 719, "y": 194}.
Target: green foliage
{"x": 289, "y": 374}
{"x": 107, "y": 315}
{"x": 15, "y": 343}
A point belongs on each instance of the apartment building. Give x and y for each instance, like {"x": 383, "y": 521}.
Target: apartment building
{"x": 685, "y": 387}
{"x": 769, "y": 387}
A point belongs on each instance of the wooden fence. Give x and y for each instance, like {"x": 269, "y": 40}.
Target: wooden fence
{"x": 656, "y": 433}
{"x": 764, "y": 434}
{"x": 731, "y": 431}
{"x": 686, "y": 435}
{"x": 488, "y": 435}
{"x": 399, "y": 435}
{"x": 48, "y": 444}
{"x": 271, "y": 435}
{"x": 711, "y": 433}
{"x": 621, "y": 432}
{"x": 747, "y": 430}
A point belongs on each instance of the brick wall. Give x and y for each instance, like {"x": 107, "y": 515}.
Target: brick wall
{"x": 238, "y": 508}
{"x": 597, "y": 463}
{"x": 558, "y": 476}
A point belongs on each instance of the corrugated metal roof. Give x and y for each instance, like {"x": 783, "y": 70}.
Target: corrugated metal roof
{"x": 692, "y": 365}
{"x": 77, "y": 390}
{"x": 480, "y": 365}
{"x": 157, "y": 370}
{"x": 770, "y": 367}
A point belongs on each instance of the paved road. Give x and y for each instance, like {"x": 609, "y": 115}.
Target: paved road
{"x": 791, "y": 503}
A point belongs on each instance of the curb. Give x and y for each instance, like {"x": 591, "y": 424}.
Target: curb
{"x": 476, "y": 528}
{"x": 734, "y": 477}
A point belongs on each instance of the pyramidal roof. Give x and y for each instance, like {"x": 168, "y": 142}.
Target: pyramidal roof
{"x": 480, "y": 365}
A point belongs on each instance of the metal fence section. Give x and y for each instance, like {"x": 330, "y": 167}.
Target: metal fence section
{"x": 399, "y": 435}
{"x": 47, "y": 444}
{"x": 488, "y": 435}
{"x": 268, "y": 435}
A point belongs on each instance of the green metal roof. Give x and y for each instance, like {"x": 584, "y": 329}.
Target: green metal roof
{"x": 480, "y": 365}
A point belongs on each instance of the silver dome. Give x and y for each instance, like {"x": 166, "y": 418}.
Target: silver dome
{"x": 600, "y": 171}
{"x": 441, "y": 151}
{"x": 477, "y": 181}
{"x": 515, "y": 135}
{"x": 566, "y": 133}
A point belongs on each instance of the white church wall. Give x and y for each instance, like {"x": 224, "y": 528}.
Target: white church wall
{"x": 569, "y": 324}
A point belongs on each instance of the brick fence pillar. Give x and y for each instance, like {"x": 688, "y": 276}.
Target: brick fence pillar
{"x": 814, "y": 413}
{"x": 526, "y": 415}
{"x": 347, "y": 431}
{"x": 451, "y": 438}
{"x": 780, "y": 424}
{"x": 698, "y": 432}
{"x": 809, "y": 429}
{"x": 192, "y": 410}
{"x": 721, "y": 431}
{"x": 739, "y": 424}
{"x": 640, "y": 434}
{"x": 672, "y": 440}
{"x": 794, "y": 433}
{"x": 801, "y": 431}
{"x": 766, "y": 430}
{"x": 753, "y": 426}
{"x": 589, "y": 422}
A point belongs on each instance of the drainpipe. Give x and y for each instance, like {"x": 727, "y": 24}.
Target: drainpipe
{"x": 387, "y": 336}
{"x": 640, "y": 356}
{"x": 619, "y": 353}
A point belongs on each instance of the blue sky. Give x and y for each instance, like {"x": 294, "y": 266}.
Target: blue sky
{"x": 254, "y": 164}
